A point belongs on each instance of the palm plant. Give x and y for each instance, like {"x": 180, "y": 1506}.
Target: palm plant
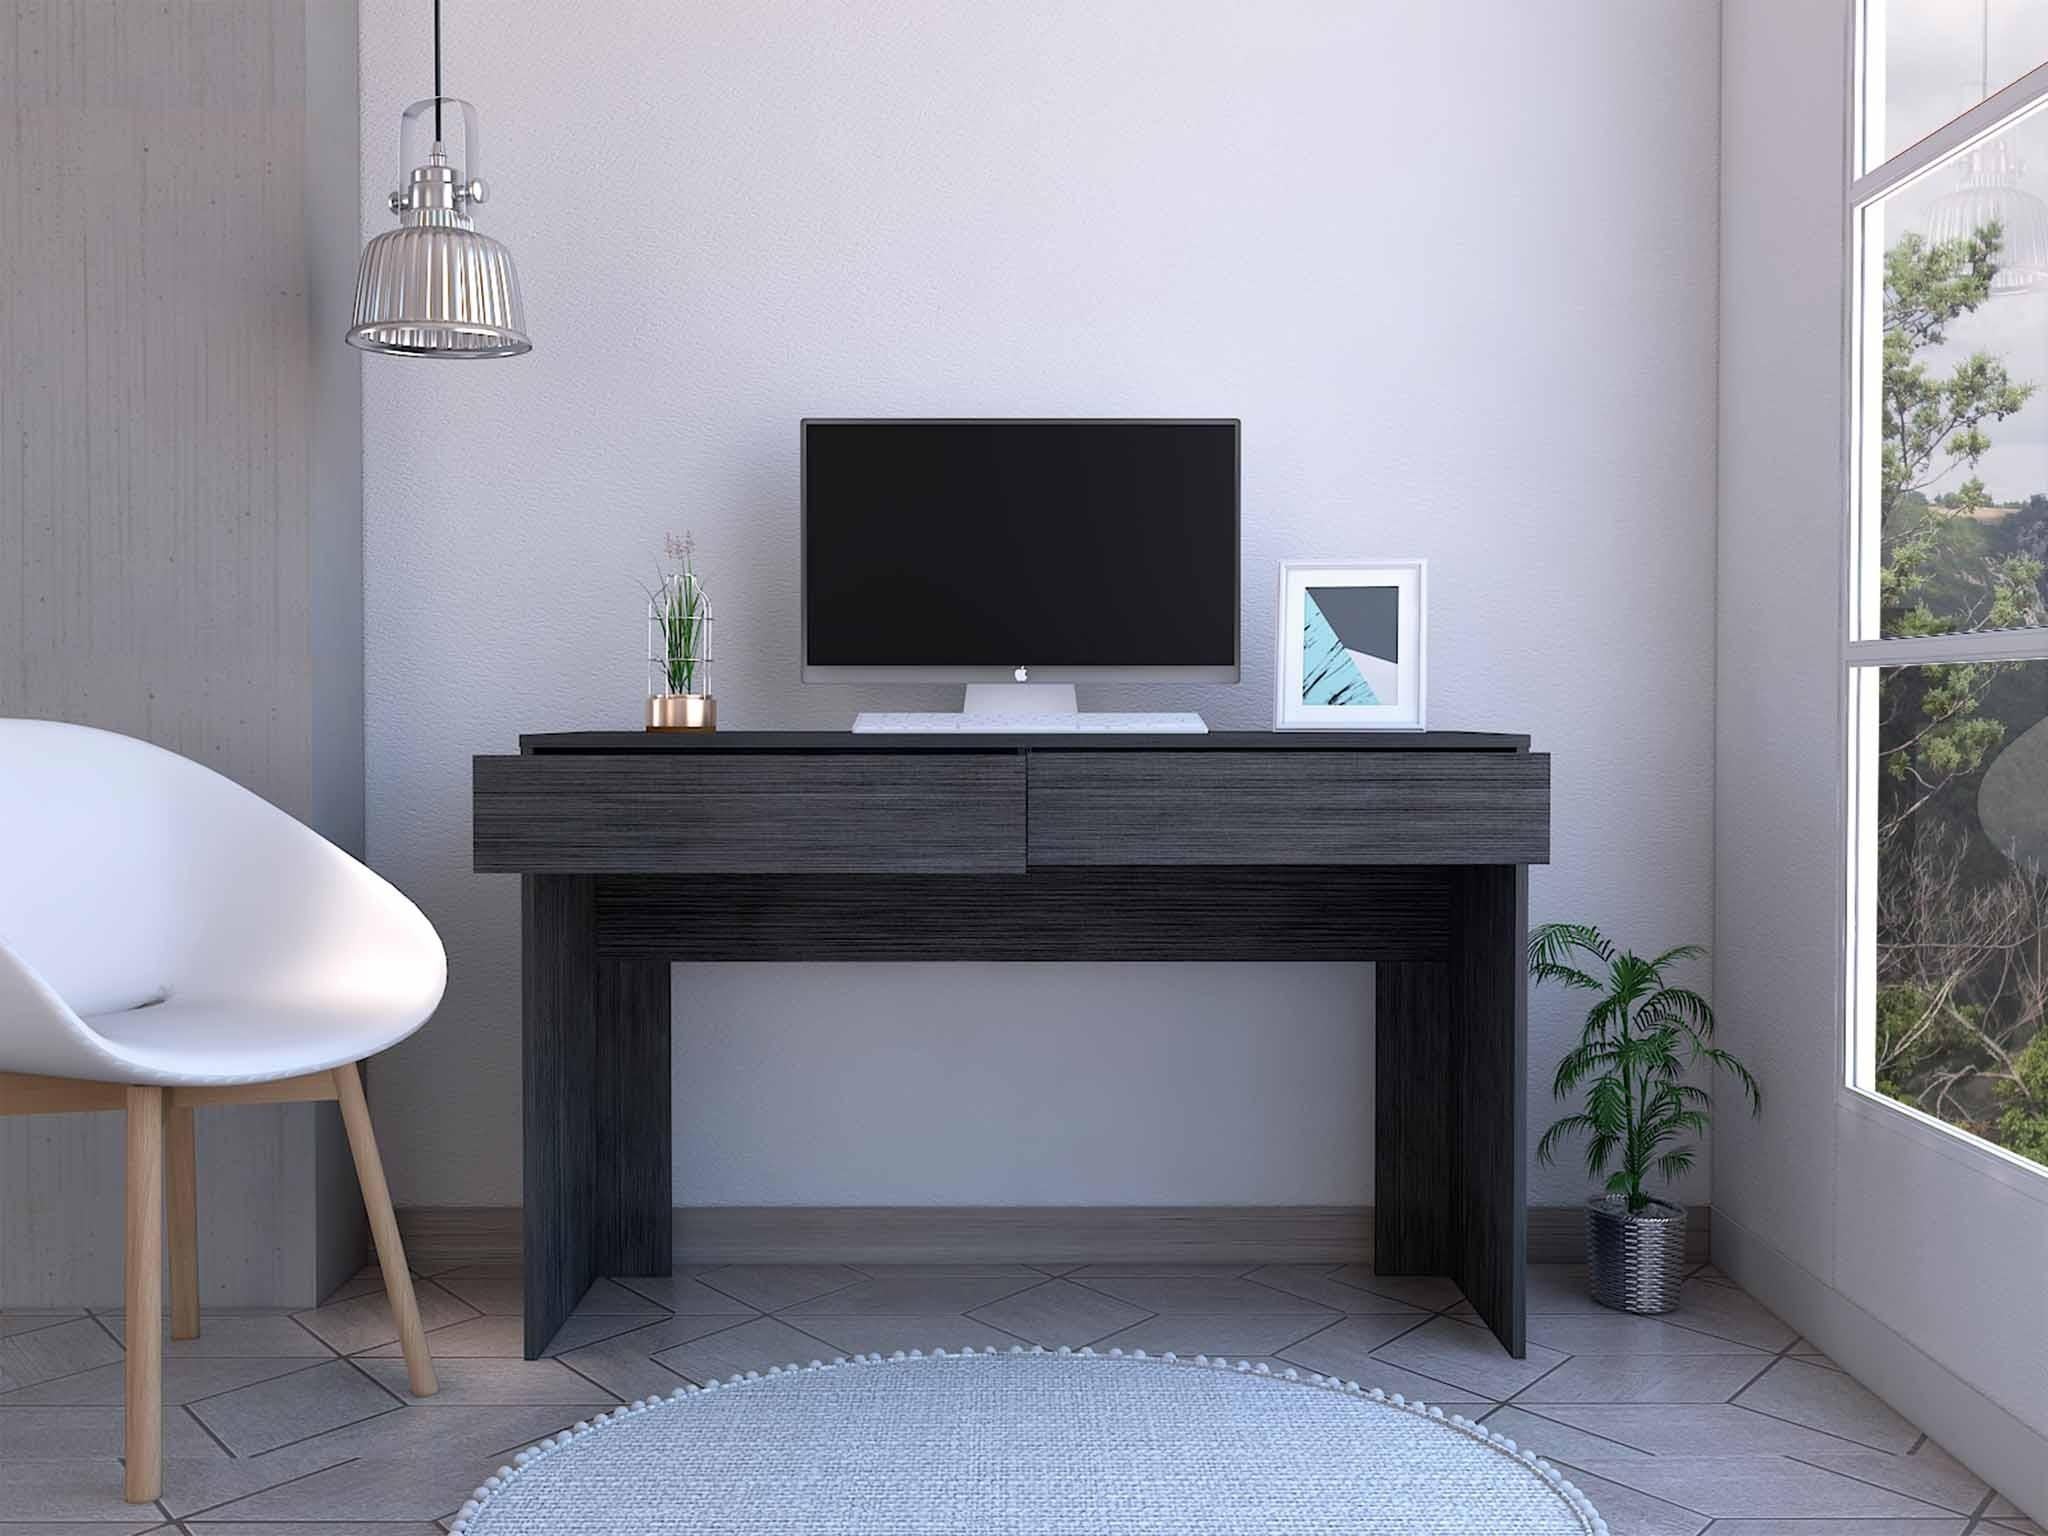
{"x": 1640, "y": 1038}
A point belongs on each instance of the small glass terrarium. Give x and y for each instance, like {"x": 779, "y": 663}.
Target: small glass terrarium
{"x": 679, "y": 646}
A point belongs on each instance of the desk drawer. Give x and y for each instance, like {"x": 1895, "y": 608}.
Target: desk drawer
{"x": 842, "y": 813}
{"x": 1280, "y": 807}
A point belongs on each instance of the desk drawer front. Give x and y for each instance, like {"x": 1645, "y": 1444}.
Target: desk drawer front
{"x": 1408, "y": 807}
{"x": 750, "y": 814}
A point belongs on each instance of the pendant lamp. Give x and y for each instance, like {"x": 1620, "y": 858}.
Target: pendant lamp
{"x": 434, "y": 287}
{"x": 1989, "y": 191}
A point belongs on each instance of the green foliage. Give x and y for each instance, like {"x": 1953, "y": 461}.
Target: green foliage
{"x": 1936, "y": 574}
{"x": 1641, "y": 1036}
{"x": 2023, "y": 1120}
{"x": 1918, "y": 1030}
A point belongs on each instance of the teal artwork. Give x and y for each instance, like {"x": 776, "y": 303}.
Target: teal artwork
{"x": 1329, "y": 675}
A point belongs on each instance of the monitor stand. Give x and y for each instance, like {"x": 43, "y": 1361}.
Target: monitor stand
{"x": 1021, "y": 699}
{"x": 1025, "y": 708}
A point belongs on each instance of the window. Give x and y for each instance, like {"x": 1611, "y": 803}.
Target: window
{"x": 1946, "y": 655}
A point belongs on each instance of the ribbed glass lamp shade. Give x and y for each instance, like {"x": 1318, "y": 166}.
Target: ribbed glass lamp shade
{"x": 437, "y": 290}
{"x": 434, "y": 287}
{"x": 1990, "y": 192}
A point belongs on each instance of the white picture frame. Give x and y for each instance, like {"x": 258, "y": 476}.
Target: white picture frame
{"x": 1397, "y": 618}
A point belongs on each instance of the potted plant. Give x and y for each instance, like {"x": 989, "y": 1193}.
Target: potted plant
{"x": 1641, "y": 1037}
{"x": 679, "y": 646}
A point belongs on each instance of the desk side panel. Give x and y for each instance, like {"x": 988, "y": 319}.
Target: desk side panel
{"x": 558, "y": 1076}
{"x": 844, "y": 813}
{"x": 1295, "y": 808}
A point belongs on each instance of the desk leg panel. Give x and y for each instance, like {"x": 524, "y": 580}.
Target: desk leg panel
{"x": 1489, "y": 1084}
{"x": 558, "y": 1208}
{"x": 1412, "y": 1128}
{"x": 635, "y": 1120}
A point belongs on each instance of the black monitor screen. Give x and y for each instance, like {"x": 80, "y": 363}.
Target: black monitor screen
{"x": 1051, "y": 544}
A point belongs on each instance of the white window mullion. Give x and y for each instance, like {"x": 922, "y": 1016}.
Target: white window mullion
{"x": 1966, "y": 645}
{"x": 1980, "y": 122}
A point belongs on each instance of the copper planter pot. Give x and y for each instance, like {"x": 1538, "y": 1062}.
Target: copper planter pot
{"x": 682, "y": 712}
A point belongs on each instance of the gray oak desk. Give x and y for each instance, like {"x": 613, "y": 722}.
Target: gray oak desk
{"x": 638, "y": 850}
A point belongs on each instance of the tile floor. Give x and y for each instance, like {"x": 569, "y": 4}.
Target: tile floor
{"x": 1715, "y": 1418}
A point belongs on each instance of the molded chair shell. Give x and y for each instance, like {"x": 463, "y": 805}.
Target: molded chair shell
{"x": 161, "y": 924}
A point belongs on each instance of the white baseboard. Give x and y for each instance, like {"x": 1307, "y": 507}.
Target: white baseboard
{"x": 1073, "y": 1234}
{"x": 2007, "y": 1453}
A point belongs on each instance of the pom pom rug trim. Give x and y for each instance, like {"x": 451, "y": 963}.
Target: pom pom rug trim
{"x": 1024, "y": 1441}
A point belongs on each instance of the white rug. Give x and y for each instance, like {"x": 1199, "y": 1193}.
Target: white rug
{"x": 1027, "y": 1444}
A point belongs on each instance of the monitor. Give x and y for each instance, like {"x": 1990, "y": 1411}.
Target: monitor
{"x": 966, "y": 551}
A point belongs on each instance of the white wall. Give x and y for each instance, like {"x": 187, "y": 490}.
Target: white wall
{"x": 1454, "y": 265}
{"x": 1901, "y": 1252}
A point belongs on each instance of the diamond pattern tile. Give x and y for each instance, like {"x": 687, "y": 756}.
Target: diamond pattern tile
{"x": 1734, "y": 1487}
{"x": 1647, "y": 1379}
{"x": 1249, "y": 1334}
{"x": 237, "y": 1335}
{"x": 1881, "y": 1526}
{"x": 504, "y": 1337}
{"x": 1059, "y": 1312}
{"x": 1929, "y": 1473}
{"x": 29, "y": 1322}
{"x": 251, "y": 1420}
{"x": 747, "y": 1347}
{"x": 77, "y": 1434}
{"x": 1551, "y": 1439}
{"x": 917, "y": 1295}
{"x": 1717, "y": 1412}
{"x": 771, "y": 1287}
{"x": 1617, "y": 1335}
{"x": 44, "y": 1354}
{"x": 1467, "y": 1356}
{"x": 1208, "y": 1295}
{"x": 1428, "y": 1292}
{"x": 1317, "y": 1283}
{"x": 863, "y": 1332}
{"x": 1804, "y": 1393}
{"x": 470, "y": 1383}
{"x": 1695, "y": 1429}
{"x": 185, "y": 1381}
{"x": 687, "y": 1296}
{"x": 364, "y": 1320}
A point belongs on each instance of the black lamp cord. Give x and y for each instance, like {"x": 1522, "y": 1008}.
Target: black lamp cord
{"x": 437, "y": 71}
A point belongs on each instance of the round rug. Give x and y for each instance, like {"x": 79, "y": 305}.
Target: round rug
{"x": 1028, "y": 1443}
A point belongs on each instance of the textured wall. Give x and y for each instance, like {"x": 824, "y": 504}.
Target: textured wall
{"x": 1453, "y": 264}
{"x": 179, "y": 443}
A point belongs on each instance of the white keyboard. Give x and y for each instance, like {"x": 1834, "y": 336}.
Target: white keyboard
{"x": 984, "y": 723}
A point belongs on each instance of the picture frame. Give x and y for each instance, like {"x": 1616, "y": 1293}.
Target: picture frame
{"x": 1351, "y": 648}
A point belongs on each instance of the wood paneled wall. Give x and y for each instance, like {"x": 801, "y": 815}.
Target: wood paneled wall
{"x": 172, "y": 412}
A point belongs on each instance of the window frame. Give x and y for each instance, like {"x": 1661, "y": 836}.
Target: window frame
{"x": 1863, "y": 652}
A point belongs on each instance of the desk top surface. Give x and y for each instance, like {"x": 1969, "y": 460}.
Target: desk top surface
{"x": 606, "y": 742}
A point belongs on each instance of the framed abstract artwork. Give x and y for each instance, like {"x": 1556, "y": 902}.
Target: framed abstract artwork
{"x": 1351, "y": 645}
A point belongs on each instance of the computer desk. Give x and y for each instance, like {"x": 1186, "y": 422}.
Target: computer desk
{"x": 634, "y": 850}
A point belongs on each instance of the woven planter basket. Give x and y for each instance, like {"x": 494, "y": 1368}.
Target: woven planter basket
{"x": 1635, "y": 1263}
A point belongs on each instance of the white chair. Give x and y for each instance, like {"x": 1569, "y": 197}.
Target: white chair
{"x": 167, "y": 940}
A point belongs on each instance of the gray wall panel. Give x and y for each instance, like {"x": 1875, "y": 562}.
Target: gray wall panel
{"x": 180, "y": 508}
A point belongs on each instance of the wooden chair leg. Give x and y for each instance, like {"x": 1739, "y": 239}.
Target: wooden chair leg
{"x": 181, "y": 1174}
{"x": 362, "y": 1141}
{"x": 144, "y": 1284}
